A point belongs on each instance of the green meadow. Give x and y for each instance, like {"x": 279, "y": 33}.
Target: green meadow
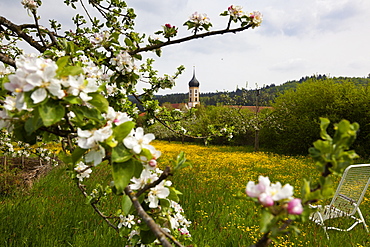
{"x": 54, "y": 213}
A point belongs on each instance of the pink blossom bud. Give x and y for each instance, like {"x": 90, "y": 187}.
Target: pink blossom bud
{"x": 168, "y": 25}
{"x": 153, "y": 163}
{"x": 295, "y": 206}
{"x": 265, "y": 200}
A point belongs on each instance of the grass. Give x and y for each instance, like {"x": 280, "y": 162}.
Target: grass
{"x": 54, "y": 213}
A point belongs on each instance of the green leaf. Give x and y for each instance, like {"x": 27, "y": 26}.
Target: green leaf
{"x": 323, "y": 126}
{"x": 72, "y": 70}
{"x": 147, "y": 237}
{"x": 266, "y": 219}
{"x": 126, "y": 204}
{"x": 51, "y": 112}
{"x": 164, "y": 203}
{"x": 181, "y": 161}
{"x": 62, "y": 62}
{"x": 99, "y": 101}
{"x": 327, "y": 190}
{"x": 77, "y": 154}
{"x": 123, "y": 172}
{"x": 89, "y": 113}
{"x": 128, "y": 42}
{"x": 122, "y": 130}
{"x": 73, "y": 99}
{"x": 21, "y": 134}
{"x": 120, "y": 154}
{"x": 174, "y": 195}
{"x": 34, "y": 123}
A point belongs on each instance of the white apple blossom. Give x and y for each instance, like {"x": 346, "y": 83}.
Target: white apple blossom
{"x": 90, "y": 139}
{"x": 126, "y": 221}
{"x": 29, "y": 4}
{"x": 256, "y": 18}
{"x": 83, "y": 171}
{"x": 116, "y": 117}
{"x": 146, "y": 177}
{"x": 184, "y": 231}
{"x": 199, "y": 19}
{"x": 4, "y": 122}
{"x": 133, "y": 233}
{"x": 254, "y": 190}
{"x": 10, "y": 103}
{"x": 235, "y": 11}
{"x": 99, "y": 38}
{"x": 5, "y": 70}
{"x": 156, "y": 193}
{"x": 79, "y": 86}
{"x": 123, "y": 62}
{"x": 268, "y": 193}
{"x": 17, "y": 82}
{"x": 177, "y": 207}
{"x": 278, "y": 192}
{"x": 295, "y": 206}
{"x": 95, "y": 155}
{"x": 54, "y": 87}
{"x": 33, "y": 72}
{"x": 136, "y": 141}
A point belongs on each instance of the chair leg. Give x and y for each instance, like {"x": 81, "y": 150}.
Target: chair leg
{"x": 321, "y": 223}
{"x": 362, "y": 219}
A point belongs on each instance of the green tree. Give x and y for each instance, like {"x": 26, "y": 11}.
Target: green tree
{"x": 297, "y": 112}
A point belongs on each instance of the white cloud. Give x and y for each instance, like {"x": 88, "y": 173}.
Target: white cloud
{"x": 297, "y": 38}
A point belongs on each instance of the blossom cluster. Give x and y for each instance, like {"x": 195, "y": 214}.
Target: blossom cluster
{"x": 256, "y": 17}
{"x": 39, "y": 76}
{"x": 268, "y": 194}
{"x": 5, "y": 70}
{"x": 236, "y": 14}
{"x": 235, "y": 11}
{"x": 21, "y": 149}
{"x": 199, "y": 19}
{"x": 98, "y": 39}
{"x": 174, "y": 212}
{"x": 92, "y": 138}
{"x": 123, "y": 62}
{"x": 29, "y": 4}
{"x": 83, "y": 171}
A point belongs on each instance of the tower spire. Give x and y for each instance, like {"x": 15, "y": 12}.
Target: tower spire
{"x": 193, "y": 91}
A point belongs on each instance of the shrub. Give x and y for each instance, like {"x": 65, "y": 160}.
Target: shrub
{"x": 296, "y": 113}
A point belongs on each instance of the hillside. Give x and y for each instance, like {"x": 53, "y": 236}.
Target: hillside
{"x": 267, "y": 94}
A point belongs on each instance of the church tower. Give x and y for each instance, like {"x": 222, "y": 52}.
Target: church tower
{"x": 194, "y": 94}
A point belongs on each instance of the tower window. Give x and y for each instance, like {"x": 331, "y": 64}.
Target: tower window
{"x": 196, "y": 99}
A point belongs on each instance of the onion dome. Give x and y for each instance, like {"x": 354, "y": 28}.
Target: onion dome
{"x": 194, "y": 82}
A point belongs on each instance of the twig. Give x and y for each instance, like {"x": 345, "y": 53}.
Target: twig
{"x": 82, "y": 189}
{"x": 6, "y": 59}
{"x": 147, "y": 219}
{"x": 164, "y": 175}
{"x": 188, "y": 38}
{"x": 18, "y": 30}
{"x": 38, "y": 28}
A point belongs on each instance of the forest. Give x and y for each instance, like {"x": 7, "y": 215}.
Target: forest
{"x": 247, "y": 97}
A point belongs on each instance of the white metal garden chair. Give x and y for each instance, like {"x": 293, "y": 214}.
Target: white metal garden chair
{"x": 347, "y": 199}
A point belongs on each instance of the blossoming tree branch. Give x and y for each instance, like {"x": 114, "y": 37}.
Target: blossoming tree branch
{"x": 75, "y": 91}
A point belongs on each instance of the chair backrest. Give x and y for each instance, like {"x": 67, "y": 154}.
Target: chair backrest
{"x": 352, "y": 188}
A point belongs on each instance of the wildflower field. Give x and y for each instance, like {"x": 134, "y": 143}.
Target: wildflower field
{"x": 54, "y": 212}
{"x": 214, "y": 199}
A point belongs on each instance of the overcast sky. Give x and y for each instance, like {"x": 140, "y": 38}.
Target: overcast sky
{"x": 296, "y": 39}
